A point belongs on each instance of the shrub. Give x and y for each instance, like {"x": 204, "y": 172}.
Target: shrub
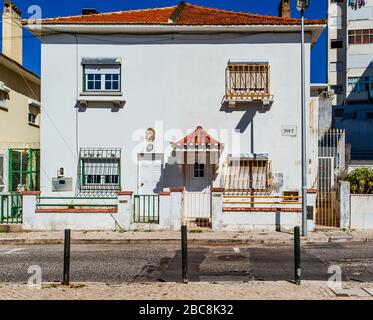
{"x": 361, "y": 180}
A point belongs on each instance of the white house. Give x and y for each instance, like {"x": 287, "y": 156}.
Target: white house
{"x": 154, "y": 100}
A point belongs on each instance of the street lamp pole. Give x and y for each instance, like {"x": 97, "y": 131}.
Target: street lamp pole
{"x": 302, "y": 5}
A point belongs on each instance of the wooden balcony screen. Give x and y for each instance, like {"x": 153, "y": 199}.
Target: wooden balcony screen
{"x": 247, "y": 81}
{"x": 245, "y": 176}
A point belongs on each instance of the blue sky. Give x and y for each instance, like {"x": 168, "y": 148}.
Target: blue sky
{"x": 51, "y": 8}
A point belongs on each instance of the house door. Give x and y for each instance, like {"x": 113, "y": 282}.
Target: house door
{"x": 197, "y": 196}
{"x": 150, "y": 176}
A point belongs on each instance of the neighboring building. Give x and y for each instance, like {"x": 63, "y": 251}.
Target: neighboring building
{"x": 19, "y": 110}
{"x": 350, "y": 72}
{"x": 183, "y": 96}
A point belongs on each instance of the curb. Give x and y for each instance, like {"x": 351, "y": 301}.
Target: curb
{"x": 210, "y": 242}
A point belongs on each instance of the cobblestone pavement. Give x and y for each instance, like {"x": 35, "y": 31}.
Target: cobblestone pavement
{"x": 320, "y": 236}
{"x": 176, "y": 291}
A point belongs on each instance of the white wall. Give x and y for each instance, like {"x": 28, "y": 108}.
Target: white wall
{"x": 178, "y": 80}
{"x": 361, "y": 211}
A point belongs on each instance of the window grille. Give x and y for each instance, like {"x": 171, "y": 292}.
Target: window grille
{"x": 99, "y": 171}
{"x": 247, "y": 81}
{"x": 247, "y": 176}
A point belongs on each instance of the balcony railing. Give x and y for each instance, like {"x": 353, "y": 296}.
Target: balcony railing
{"x": 247, "y": 81}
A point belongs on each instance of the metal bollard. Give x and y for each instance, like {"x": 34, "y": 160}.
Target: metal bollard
{"x": 184, "y": 253}
{"x": 66, "y": 258}
{"x": 297, "y": 265}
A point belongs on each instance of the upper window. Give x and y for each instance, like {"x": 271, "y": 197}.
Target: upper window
{"x": 361, "y": 36}
{"x": 34, "y": 115}
{"x": 4, "y": 95}
{"x": 99, "y": 171}
{"x": 338, "y": 89}
{"x": 336, "y": 44}
{"x": 247, "y": 80}
{"x": 336, "y": 66}
{"x": 101, "y": 75}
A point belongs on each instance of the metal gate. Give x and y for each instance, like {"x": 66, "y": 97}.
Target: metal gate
{"x": 197, "y": 209}
{"x": 146, "y": 209}
{"x": 331, "y": 164}
{"x": 10, "y": 208}
{"x": 327, "y": 206}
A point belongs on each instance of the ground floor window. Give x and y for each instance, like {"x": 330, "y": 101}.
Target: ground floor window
{"x": 1, "y": 171}
{"x": 247, "y": 175}
{"x": 24, "y": 170}
{"x": 99, "y": 171}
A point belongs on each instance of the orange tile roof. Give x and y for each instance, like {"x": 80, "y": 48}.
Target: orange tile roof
{"x": 198, "y": 136}
{"x": 183, "y": 14}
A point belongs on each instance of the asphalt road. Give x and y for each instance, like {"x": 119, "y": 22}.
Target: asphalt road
{"x": 126, "y": 263}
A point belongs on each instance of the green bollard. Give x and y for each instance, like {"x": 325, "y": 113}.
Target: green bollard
{"x": 297, "y": 255}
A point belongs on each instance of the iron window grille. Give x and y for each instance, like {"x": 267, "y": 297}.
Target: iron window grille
{"x": 249, "y": 80}
{"x": 99, "y": 172}
{"x": 101, "y": 78}
{"x": 244, "y": 176}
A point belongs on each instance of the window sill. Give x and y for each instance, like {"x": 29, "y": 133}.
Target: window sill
{"x": 101, "y": 94}
{"x": 118, "y": 102}
{"x": 264, "y": 100}
{"x": 34, "y": 125}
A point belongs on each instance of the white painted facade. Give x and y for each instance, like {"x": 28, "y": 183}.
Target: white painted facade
{"x": 172, "y": 83}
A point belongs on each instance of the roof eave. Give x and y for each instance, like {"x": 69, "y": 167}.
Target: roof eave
{"x": 16, "y": 67}
{"x": 42, "y": 30}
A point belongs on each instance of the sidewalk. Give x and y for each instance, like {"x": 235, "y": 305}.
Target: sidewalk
{"x": 258, "y": 290}
{"x": 199, "y": 237}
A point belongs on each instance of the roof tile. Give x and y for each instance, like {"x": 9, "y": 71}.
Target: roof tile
{"x": 183, "y": 14}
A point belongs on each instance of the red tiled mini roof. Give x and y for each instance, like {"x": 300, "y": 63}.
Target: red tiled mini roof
{"x": 183, "y": 14}
{"x": 198, "y": 136}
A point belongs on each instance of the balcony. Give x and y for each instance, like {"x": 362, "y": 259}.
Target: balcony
{"x": 247, "y": 82}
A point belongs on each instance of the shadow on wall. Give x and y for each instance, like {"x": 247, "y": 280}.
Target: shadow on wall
{"x": 356, "y": 116}
{"x": 174, "y": 175}
{"x": 249, "y": 110}
{"x": 173, "y": 39}
{"x": 361, "y": 92}
{"x": 171, "y": 177}
{"x": 99, "y": 105}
